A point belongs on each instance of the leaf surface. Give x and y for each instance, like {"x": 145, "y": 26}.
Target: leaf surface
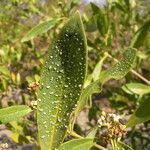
{"x": 98, "y": 67}
{"x": 140, "y": 35}
{"x": 77, "y": 144}
{"x": 92, "y": 133}
{"x": 117, "y": 72}
{"x": 40, "y": 28}
{"x": 13, "y": 113}
{"x": 141, "y": 115}
{"x": 61, "y": 83}
{"x": 136, "y": 88}
{"x": 120, "y": 69}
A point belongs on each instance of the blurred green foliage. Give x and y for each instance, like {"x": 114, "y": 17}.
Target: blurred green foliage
{"x": 111, "y": 28}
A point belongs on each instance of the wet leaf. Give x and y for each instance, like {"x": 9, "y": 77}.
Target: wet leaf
{"x": 77, "y": 144}
{"x": 120, "y": 69}
{"x": 40, "y": 28}
{"x": 141, "y": 115}
{"x": 136, "y": 88}
{"x": 13, "y": 113}
{"x": 117, "y": 72}
{"x": 140, "y": 35}
{"x": 61, "y": 83}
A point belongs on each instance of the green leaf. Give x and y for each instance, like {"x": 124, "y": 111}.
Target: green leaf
{"x": 40, "y": 29}
{"x": 91, "y": 24}
{"x": 95, "y": 9}
{"x": 77, "y": 144}
{"x": 92, "y": 133}
{"x": 140, "y": 35}
{"x": 119, "y": 70}
{"x": 123, "y": 146}
{"x": 61, "y": 83}
{"x": 13, "y": 113}
{"x": 4, "y": 70}
{"x": 141, "y": 115}
{"x": 101, "y": 19}
{"x": 136, "y": 88}
{"x": 98, "y": 67}
{"x": 94, "y": 87}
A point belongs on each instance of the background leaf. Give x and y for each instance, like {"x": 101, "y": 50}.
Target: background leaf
{"x": 94, "y": 87}
{"x": 141, "y": 115}
{"x": 13, "y": 113}
{"x": 136, "y": 88}
{"x": 62, "y": 80}
{"x": 4, "y": 71}
{"x": 123, "y": 146}
{"x": 40, "y": 28}
{"x": 98, "y": 67}
{"x": 140, "y": 35}
{"x": 92, "y": 133}
{"x": 77, "y": 144}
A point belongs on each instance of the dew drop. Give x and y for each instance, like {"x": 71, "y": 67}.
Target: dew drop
{"x": 65, "y": 96}
{"x": 41, "y": 109}
{"x": 79, "y": 85}
{"x": 44, "y": 113}
{"x": 59, "y": 77}
{"x": 44, "y": 122}
{"x": 49, "y": 67}
{"x": 43, "y": 136}
{"x": 51, "y": 93}
{"x": 47, "y": 131}
{"x": 61, "y": 71}
{"x": 66, "y": 86}
{"x": 47, "y": 86}
{"x": 44, "y": 93}
{"x": 56, "y": 46}
{"x": 39, "y": 100}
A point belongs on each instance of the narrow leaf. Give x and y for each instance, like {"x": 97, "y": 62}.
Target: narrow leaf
{"x": 40, "y": 28}
{"x": 120, "y": 69}
{"x": 94, "y": 87}
{"x": 123, "y": 146}
{"x": 92, "y": 133}
{"x": 117, "y": 72}
{"x": 77, "y": 144}
{"x": 140, "y": 35}
{"x": 61, "y": 83}
{"x": 13, "y": 113}
{"x": 4, "y": 70}
{"x": 98, "y": 67}
{"x": 141, "y": 115}
{"x": 136, "y": 88}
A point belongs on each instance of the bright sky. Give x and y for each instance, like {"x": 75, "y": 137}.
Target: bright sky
{"x": 100, "y": 3}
